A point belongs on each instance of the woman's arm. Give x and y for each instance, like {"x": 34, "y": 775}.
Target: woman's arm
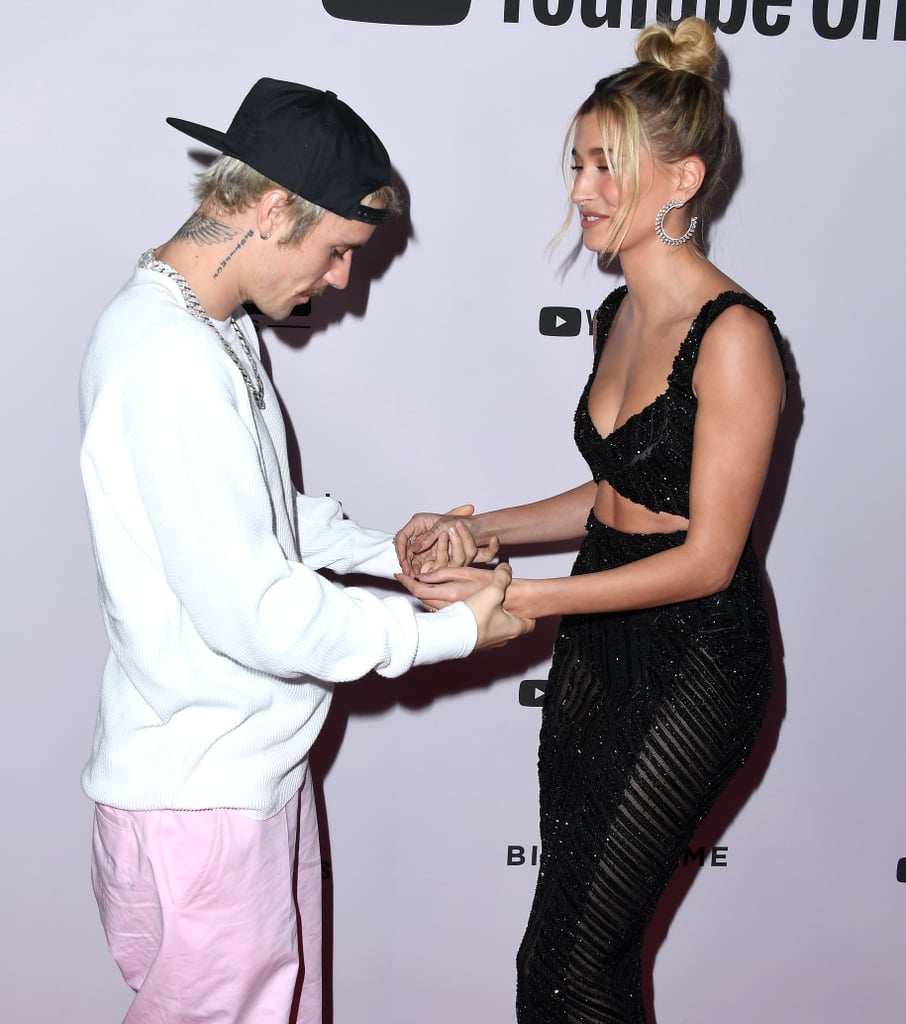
{"x": 560, "y": 517}
{"x": 437, "y": 540}
{"x": 739, "y": 384}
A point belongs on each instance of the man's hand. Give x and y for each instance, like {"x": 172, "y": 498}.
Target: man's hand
{"x": 431, "y": 541}
{"x": 483, "y": 590}
{"x": 496, "y": 626}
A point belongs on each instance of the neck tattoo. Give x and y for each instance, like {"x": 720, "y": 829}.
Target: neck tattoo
{"x": 149, "y": 261}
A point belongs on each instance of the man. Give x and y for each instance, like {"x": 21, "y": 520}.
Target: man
{"x": 224, "y": 639}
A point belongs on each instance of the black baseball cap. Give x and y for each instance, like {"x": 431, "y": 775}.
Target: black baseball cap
{"x": 309, "y": 142}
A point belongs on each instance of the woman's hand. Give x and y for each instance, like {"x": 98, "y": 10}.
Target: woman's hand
{"x": 440, "y": 587}
{"x": 483, "y": 590}
{"x": 431, "y": 541}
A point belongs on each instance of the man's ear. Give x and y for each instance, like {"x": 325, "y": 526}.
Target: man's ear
{"x": 270, "y": 211}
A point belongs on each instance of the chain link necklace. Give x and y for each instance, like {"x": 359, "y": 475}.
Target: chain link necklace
{"x": 148, "y": 261}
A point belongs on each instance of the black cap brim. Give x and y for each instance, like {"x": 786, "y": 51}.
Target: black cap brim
{"x": 209, "y": 136}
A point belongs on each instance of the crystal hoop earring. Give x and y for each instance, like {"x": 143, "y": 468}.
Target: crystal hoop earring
{"x": 659, "y": 225}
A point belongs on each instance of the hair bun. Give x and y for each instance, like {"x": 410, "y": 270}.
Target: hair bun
{"x": 690, "y": 46}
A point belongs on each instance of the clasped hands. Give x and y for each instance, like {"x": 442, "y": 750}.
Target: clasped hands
{"x": 435, "y": 553}
{"x": 430, "y": 541}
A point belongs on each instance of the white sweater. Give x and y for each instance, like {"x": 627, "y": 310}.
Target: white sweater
{"x": 224, "y": 640}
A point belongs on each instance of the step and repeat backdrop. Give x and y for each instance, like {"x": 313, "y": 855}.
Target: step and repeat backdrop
{"x": 448, "y": 372}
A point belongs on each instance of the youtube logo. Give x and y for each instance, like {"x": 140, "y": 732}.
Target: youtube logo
{"x": 399, "y": 12}
{"x": 560, "y": 321}
{"x": 531, "y": 692}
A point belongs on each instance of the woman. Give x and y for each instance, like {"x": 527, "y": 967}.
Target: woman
{"x": 661, "y": 669}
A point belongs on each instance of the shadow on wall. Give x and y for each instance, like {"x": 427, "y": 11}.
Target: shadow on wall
{"x": 370, "y": 263}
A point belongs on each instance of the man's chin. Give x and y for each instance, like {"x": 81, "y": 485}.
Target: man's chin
{"x": 297, "y": 305}
{"x": 277, "y": 314}
{"x": 302, "y": 304}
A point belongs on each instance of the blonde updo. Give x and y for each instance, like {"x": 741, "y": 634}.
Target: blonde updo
{"x": 666, "y": 104}
{"x": 690, "y": 46}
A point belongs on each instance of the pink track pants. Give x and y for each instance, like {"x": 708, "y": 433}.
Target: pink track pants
{"x": 205, "y": 912}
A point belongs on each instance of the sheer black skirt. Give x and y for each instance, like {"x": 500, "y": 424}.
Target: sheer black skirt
{"x": 647, "y": 716}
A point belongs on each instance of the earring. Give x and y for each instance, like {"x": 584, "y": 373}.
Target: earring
{"x": 659, "y": 225}
{"x": 264, "y": 238}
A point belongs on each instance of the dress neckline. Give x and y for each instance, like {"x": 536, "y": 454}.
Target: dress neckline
{"x": 618, "y": 296}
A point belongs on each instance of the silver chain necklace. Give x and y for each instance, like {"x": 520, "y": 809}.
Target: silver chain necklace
{"x": 148, "y": 261}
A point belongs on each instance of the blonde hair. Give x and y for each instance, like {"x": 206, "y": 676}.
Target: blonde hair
{"x": 230, "y": 185}
{"x": 666, "y": 104}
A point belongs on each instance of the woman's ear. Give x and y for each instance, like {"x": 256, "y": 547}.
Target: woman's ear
{"x": 691, "y": 174}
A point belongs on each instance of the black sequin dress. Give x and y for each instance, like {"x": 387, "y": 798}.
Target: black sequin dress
{"x": 647, "y": 716}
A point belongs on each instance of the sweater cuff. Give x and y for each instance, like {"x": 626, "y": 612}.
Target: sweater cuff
{"x": 446, "y": 635}
{"x": 383, "y": 563}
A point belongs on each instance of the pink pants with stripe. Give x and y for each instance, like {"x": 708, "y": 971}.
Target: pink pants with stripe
{"x": 213, "y": 917}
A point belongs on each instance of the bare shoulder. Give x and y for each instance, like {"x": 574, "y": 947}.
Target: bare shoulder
{"x": 741, "y": 322}
{"x": 740, "y": 350}
{"x": 733, "y": 312}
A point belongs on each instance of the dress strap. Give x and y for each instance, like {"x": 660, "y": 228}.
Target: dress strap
{"x": 687, "y": 356}
{"x": 604, "y": 317}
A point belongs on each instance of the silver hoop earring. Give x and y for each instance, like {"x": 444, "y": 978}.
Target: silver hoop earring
{"x": 264, "y": 238}
{"x": 659, "y": 225}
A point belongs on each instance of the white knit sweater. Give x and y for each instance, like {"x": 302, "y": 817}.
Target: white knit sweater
{"x": 224, "y": 640}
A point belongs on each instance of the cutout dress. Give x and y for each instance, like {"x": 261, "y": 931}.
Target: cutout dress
{"x": 647, "y": 716}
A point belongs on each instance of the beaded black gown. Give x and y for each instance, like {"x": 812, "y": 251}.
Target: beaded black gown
{"x": 647, "y": 716}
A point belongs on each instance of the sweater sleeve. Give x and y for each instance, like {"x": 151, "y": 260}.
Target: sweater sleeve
{"x": 177, "y": 462}
{"x": 329, "y": 541}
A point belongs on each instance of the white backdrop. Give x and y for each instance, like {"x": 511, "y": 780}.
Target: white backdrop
{"x": 446, "y": 391}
